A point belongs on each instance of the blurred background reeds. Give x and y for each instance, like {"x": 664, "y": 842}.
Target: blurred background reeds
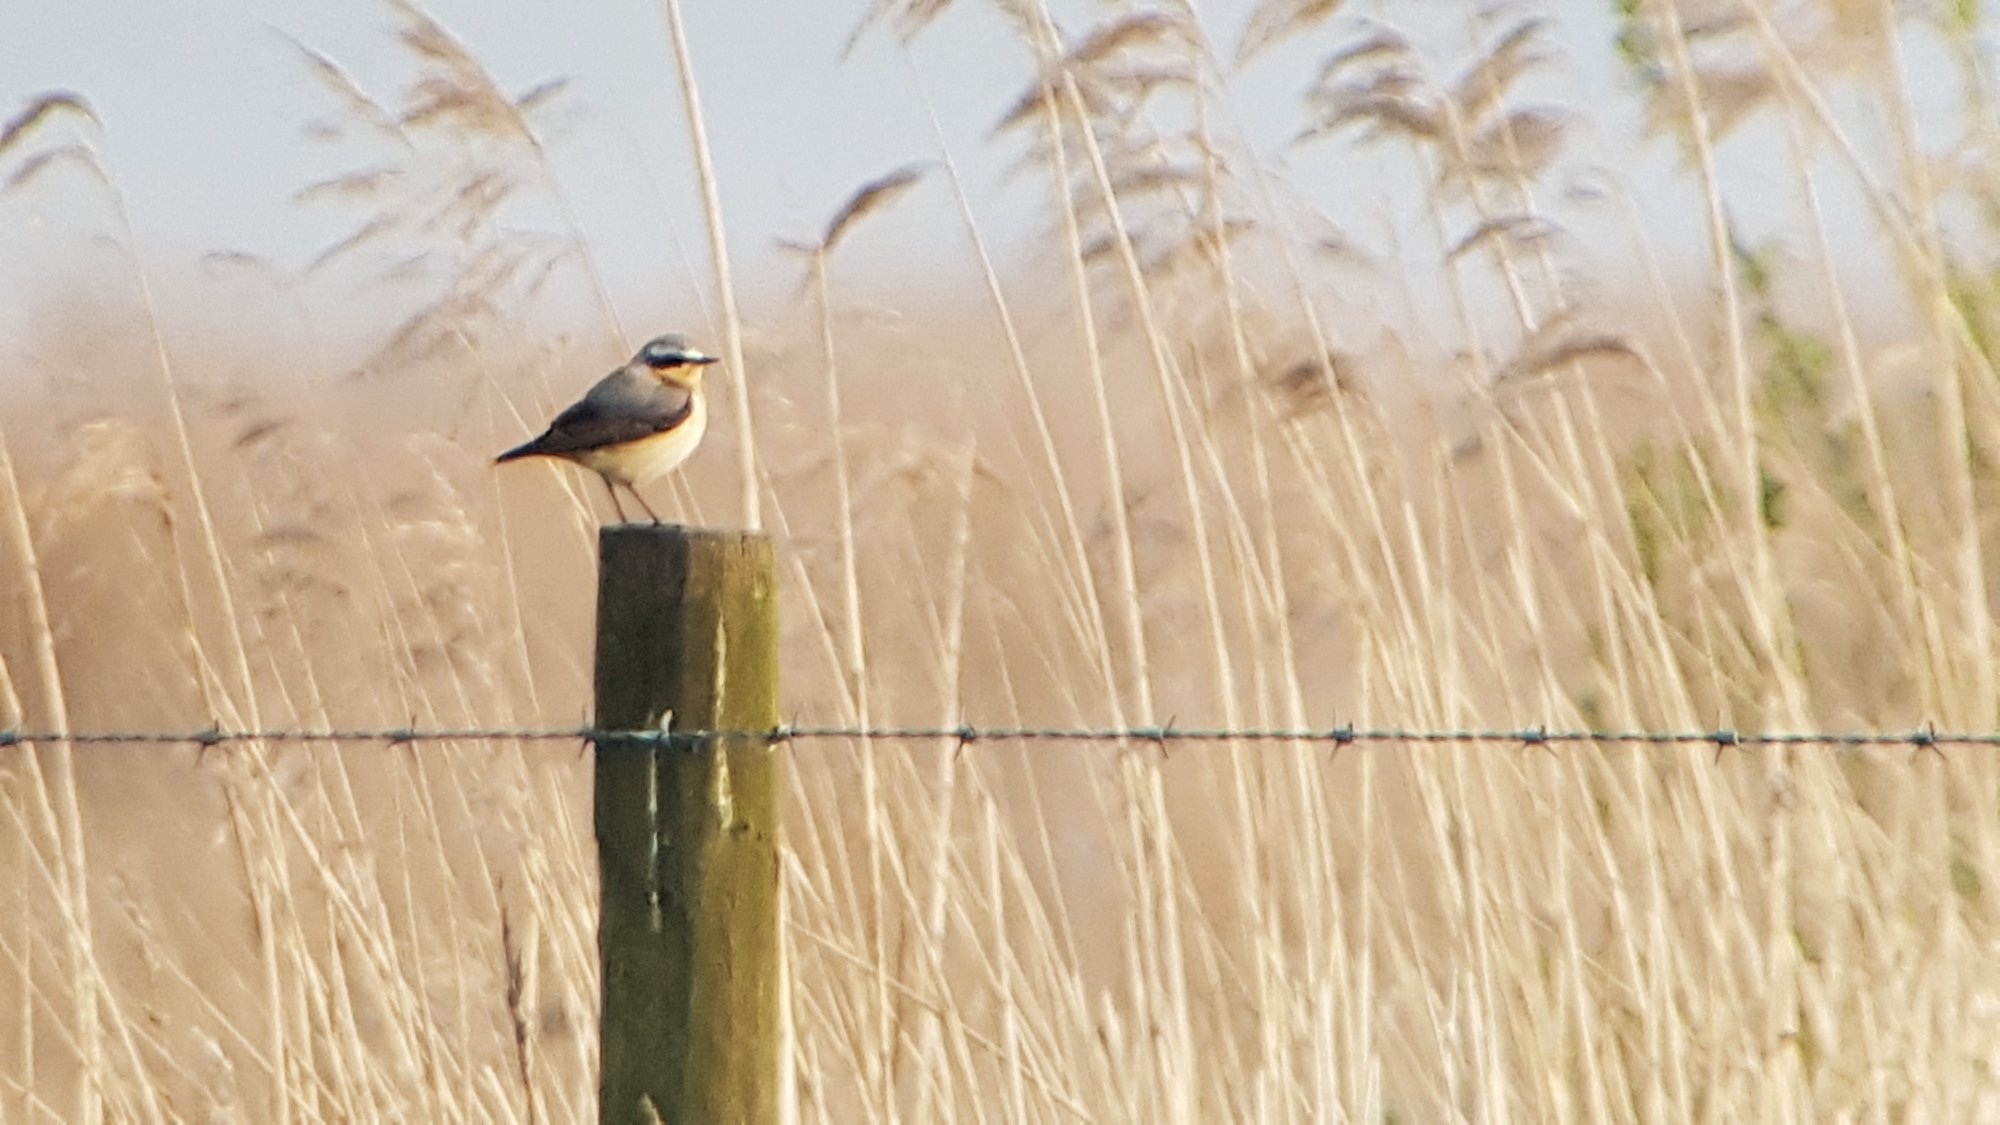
{"x": 1206, "y": 453}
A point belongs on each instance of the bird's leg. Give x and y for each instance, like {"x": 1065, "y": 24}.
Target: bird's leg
{"x": 643, "y": 504}
{"x": 615, "y": 505}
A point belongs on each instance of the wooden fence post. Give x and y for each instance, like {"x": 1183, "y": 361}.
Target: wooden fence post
{"x": 687, "y": 835}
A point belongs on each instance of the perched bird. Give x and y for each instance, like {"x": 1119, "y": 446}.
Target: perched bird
{"x": 639, "y": 422}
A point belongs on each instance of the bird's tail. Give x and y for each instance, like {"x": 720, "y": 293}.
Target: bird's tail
{"x": 526, "y": 449}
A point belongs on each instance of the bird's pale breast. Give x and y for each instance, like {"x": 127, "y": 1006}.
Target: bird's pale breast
{"x": 636, "y": 462}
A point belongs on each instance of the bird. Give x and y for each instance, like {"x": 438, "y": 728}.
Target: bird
{"x": 638, "y": 423}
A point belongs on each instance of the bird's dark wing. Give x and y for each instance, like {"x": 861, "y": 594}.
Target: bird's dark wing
{"x": 609, "y": 415}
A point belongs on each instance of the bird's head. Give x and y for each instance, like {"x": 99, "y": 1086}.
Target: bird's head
{"x": 673, "y": 359}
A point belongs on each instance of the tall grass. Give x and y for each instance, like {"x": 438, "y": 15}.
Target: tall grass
{"x": 1247, "y": 470}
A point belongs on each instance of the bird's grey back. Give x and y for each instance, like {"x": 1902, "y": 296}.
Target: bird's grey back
{"x": 627, "y": 392}
{"x": 625, "y": 405}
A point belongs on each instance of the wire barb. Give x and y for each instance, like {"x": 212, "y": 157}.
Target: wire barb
{"x": 1926, "y": 740}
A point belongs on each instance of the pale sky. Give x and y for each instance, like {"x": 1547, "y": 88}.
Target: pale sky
{"x": 204, "y": 104}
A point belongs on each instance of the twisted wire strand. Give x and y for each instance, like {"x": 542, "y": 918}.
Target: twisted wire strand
{"x": 1921, "y": 739}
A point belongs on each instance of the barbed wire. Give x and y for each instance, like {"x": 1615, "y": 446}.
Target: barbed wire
{"x": 1926, "y": 738}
